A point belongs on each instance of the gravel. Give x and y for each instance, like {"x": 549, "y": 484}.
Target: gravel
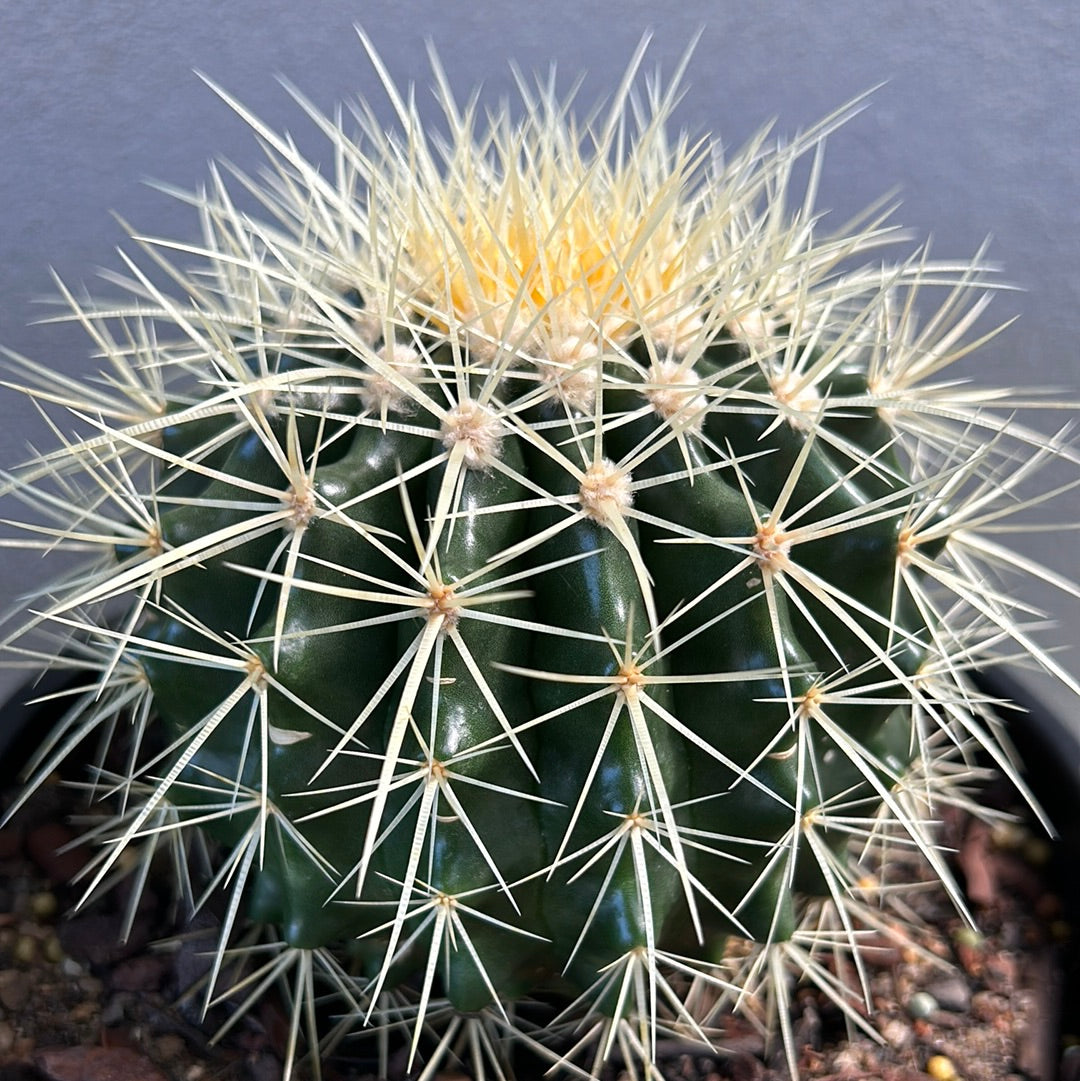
{"x": 77, "y": 1004}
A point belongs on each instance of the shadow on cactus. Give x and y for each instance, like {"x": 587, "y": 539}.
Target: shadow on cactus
{"x": 537, "y": 560}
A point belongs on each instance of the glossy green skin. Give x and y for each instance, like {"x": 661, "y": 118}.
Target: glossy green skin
{"x": 606, "y": 599}
{"x": 739, "y": 802}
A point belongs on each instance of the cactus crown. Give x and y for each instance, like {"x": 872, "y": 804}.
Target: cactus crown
{"x": 538, "y": 559}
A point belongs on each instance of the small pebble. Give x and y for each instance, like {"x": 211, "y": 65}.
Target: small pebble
{"x": 70, "y": 967}
{"x": 14, "y": 989}
{"x": 52, "y": 950}
{"x": 1008, "y": 835}
{"x": 170, "y": 1046}
{"x": 968, "y": 936}
{"x": 25, "y": 949}
{"x": 896, "y": 1033}
{"x": 98, "y": 1063}
{"x": 987, "y": 1006}
{"x": 846, "y": 1059}
{"x": 952, "y": 993}
{"x": 115, "y": 1009}
{"x": 941, "y": 1068}
{"x": 921, "y": 1005}
{"x": 44, "y": 905}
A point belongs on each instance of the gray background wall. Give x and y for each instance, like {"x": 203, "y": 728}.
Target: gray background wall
{"x": 977, "y": 125}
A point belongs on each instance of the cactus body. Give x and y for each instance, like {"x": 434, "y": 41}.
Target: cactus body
{"x": 540, "y": 573}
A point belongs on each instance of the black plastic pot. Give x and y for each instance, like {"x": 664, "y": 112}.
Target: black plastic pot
{"x": 1049, "y": 751}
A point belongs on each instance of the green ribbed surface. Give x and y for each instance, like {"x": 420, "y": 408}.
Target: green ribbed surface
{"x": 711, "y": 771}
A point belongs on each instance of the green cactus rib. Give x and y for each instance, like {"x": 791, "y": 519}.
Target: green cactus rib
{"x": 597, "y": 818}
{"x": 540, "y": 566}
